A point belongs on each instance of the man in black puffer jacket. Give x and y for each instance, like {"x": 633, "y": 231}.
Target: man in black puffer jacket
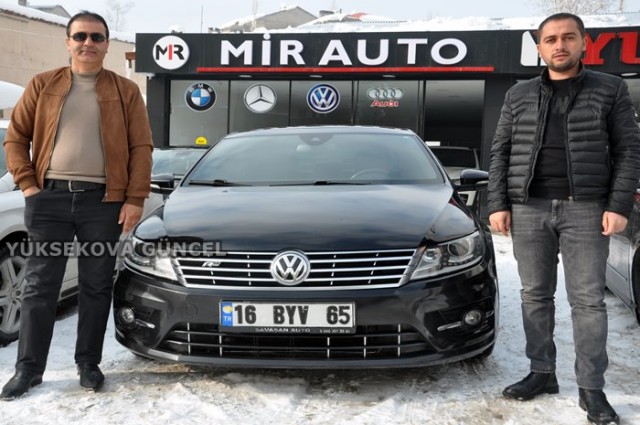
{"x": 565, "y": 164}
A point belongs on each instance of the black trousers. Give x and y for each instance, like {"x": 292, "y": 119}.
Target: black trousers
{"x": 54, "y": 217}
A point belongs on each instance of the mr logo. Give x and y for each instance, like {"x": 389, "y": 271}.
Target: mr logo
{"x": 170, "y": 52}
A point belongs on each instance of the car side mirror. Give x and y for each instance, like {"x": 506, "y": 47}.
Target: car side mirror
{"x": 472, "y": 179}
{"x": 162, "y": 183}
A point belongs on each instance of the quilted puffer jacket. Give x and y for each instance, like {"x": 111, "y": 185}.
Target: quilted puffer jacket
{"x": 602, "y": 141}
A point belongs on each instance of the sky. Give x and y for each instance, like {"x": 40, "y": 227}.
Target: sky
{"x": 197, "y": 15}
{"x": 139, "y": 391}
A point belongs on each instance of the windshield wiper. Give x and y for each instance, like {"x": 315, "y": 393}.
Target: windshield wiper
{"x": 323, "y": 183}
{"x": 215, "y": 182}
{"x": 331, "y": 182}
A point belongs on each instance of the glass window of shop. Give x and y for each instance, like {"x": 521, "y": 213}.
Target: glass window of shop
{"x": 389, "y": 103}
{"x": 199, "y": 112}
{"x": 258, "y": 104}
{"x": 454, "y": 112}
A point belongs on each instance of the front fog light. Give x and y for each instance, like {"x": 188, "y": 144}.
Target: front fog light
{"x": 473, "y": 317}
{"x": 126, "y": 317}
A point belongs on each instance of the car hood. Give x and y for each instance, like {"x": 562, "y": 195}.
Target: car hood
{"x": 313, "y": 217}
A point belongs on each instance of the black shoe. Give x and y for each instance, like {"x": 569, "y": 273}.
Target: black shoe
{"x": 534, "y": 384}
{"x": 91, "y": 378}
{"x": 598, "y": 409}
{"x": 19, "y": 384}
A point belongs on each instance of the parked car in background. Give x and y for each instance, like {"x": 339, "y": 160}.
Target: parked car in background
{"x": 623, "y": 264}
{"x": 170, "y": 164}
{"x": 12, "y": 266}
{"x": 311, "y": 247}
{"x": 13, "y": 260}
{"x": 6, "y": 181}
{"x": 455, "y": 159}
{"x": 4, "y": 124}
{"x": 175, "y": 161}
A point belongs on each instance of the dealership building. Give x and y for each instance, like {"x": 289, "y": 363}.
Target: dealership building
{"x": 446, "y": 85}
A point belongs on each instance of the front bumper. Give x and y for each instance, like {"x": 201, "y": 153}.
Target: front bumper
{"x": 417, "y": 324}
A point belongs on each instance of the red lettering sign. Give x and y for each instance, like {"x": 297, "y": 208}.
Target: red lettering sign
{"x": 628, "y": 49}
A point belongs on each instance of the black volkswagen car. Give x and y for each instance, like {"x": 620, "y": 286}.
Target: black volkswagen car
{"x": 311, "y": 247}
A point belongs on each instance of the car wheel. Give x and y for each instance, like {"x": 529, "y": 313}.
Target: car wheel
{"x": 12, "y": 284}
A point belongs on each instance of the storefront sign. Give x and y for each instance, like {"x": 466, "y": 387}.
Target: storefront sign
{"x": 384, "y": 53}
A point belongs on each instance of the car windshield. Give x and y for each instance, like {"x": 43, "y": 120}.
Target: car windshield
{"x": 316, "y": 158}
{"x": 463, "y": 158}
{"x": 176, "y": 161}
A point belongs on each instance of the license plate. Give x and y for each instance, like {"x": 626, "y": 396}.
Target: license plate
{"x": 273, "y": 317}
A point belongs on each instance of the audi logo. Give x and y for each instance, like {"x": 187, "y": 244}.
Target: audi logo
{"x": 290, "y": 268}
{"x": 383, "y": 93}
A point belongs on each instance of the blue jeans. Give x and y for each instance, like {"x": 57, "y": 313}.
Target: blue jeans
{"x": 541, "y": 229}
{"x": 57, "y": 216}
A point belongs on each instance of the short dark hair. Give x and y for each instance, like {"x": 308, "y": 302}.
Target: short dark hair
{"x": 562, "y": 16}
{"x": 88, "y": 16}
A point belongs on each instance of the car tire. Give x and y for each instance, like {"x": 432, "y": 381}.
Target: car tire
{"x": 12, "y": 284}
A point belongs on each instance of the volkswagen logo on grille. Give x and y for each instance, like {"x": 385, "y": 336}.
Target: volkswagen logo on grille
{"x": 290, "y": 268}
{"x": 384, "y": 93}
{"x": 323, "y": 98}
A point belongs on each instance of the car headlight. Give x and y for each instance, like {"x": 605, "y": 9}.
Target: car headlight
{"x": 450, "y": 256}
{"x": 148, "y": 257}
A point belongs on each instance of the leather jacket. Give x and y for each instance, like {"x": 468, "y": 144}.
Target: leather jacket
{"x": 124, "y": 126}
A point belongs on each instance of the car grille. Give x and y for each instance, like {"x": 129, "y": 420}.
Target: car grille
{"x": 340, "y": 269}
{"x": 369, "y": 342}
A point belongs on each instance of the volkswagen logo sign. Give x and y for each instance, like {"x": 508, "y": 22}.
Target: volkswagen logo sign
{"x": 260, "y": 98}
{"x": 290, "y": 268}
{"x": 323, "y": 98}
{"x": 200, "y": 96}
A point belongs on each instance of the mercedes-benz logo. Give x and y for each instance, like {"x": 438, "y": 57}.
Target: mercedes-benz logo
{"x": 290, "y": 268}
{"x": 260, "y": 98}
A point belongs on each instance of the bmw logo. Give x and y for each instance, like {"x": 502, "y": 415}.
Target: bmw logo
{"x": 200, "y": 97}
{"x": 323, "y": 98}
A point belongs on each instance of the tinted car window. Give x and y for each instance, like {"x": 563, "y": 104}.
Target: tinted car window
{"x": 313, "y": 157}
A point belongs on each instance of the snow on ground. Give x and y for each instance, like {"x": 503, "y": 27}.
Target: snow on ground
{"x": 139, "y": 391}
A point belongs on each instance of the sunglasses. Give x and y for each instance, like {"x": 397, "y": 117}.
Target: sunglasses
{"x": 96, "y": 37}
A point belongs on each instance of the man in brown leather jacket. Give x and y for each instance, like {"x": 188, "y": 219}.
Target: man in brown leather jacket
{"x": 79, "y": 147}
